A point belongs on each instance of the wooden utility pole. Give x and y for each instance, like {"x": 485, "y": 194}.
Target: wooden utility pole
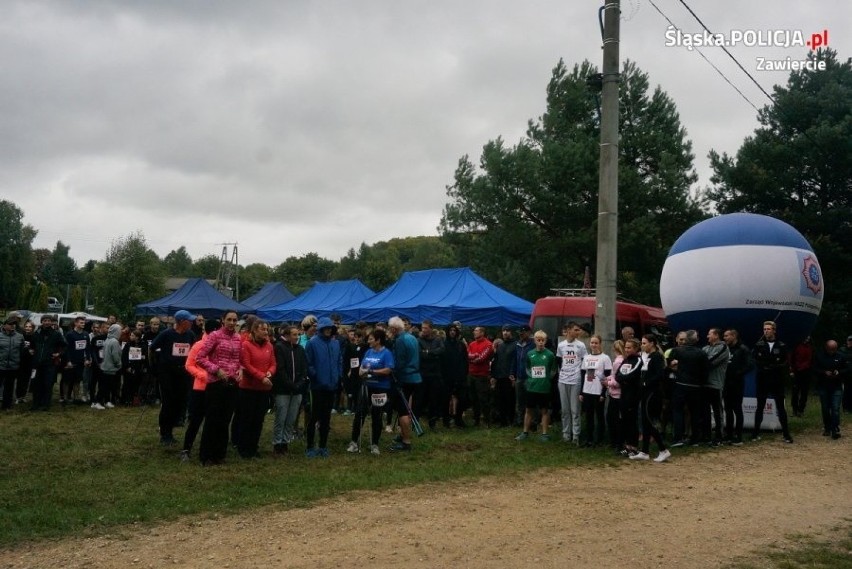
{"x": 607, "y": 269}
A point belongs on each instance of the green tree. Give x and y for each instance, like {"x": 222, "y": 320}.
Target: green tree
{"x": 797, "y": 167}
{"x": 16, "y": 258}
{"x": 76, "y": 302}
{"x": 178, "y": 263}
{"x": 41, "y": 293}
{"x": 526, "y": 216}
{"x": 381, "y": 264}
{"x": 206, "y": 267}
{"x": 252, "y": 279}
{"x": 300, "y": 273}
{"x": 130, "y": 274}
{"x": 59, "y": 268}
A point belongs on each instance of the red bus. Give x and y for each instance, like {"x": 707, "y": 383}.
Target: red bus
{"x": 551, "y": 313}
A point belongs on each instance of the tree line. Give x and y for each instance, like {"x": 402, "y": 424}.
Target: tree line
{"x": 524, "y": 215}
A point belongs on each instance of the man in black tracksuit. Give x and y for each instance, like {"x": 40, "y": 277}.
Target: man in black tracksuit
{"x": 431, "y": 362}
{"x": 772, "y": 358}
{"x": 739, "y": 365}
{"x": 691, "y": 368}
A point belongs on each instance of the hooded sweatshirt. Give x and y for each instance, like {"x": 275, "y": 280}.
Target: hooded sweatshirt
{"x": 325, "y": 360}
{"x": 112, "y": 351}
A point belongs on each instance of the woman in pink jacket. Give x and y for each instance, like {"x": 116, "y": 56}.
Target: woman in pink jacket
{"x": 219, "y": 355}
{"x": 257, "y": 358}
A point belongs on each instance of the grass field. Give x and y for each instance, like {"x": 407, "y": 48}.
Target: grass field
{"x": 76, "y": 471}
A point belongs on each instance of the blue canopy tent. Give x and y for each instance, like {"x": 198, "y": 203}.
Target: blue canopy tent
{"x": 322, "y": 299}
{"x": 196, "y": 296}
{"x": 269, "y": 295}
{"x": 442, "y": 296}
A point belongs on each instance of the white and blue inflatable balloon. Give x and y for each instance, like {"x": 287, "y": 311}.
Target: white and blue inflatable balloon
{"x": 738, "y": 270}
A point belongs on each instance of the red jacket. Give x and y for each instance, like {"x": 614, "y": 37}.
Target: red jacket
{"x": 257, "y": 360}
{"x": 803, "y": 356}
{"x": 479, "y": 355}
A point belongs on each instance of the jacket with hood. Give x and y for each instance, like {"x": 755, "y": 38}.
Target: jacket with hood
{"x": 11, "y": 349}
{"x": 112, "y": 351}
{"x": 46, "y": 343}
{"x": 325, "y": 360}
{"x": 291, "y": 368}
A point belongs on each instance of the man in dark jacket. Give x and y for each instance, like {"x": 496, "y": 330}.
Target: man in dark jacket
{"x": 739, "y": 365}
{"x": 431, "y": 359}
{"x": 831, "y": 369}
{"x": 501, "y": 382}
{"x": 48, "y": 347}
{"x": 11, "y": 350}
{"x": 772, "y": 358}
{"x": 691, "y": 368}
{"x": 77, "y": 360}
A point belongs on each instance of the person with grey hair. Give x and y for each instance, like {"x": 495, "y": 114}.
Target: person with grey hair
{"x": 691, "y": 368}
{"x": 406, "y": 356}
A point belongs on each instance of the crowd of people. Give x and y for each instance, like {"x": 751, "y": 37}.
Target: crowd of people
{"x": 222, "y": 377}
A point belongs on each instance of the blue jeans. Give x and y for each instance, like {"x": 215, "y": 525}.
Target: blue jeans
{"x": 830, "y": 398}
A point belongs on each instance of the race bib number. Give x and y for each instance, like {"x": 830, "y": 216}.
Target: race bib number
{"x": 134, "y": 354}
{"x": 538, "y": 372}
{"x": 569, "y": 360}
{"x": 379, "y": 399}
{"x": 180, "y": 350}
{"x": 80, "y": 345}
{"x": 354, "y": 362}
{"x": 625, "y": 369}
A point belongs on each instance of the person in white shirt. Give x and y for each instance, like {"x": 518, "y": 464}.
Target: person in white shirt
{"x": 596, "y": 366}
{"x": 570, "y": 353}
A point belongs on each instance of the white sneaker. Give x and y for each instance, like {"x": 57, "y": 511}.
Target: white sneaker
{"x": 109, "y": 405}
{"x": 640, "y": 456}
{"x": 374, "y": 449}
{"x": 98, "y": 406}
{"x": 353, "y": 447}
{"x": 663, "y": 456}
{"x": 388, "y": 429}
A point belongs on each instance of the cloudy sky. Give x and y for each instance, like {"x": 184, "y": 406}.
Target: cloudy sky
{"x": 298, "y": 126}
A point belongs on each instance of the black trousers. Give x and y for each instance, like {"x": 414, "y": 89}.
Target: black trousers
{"x": 733, "y": 399}
{"x": 174, "y": 382}
{"x": 504, "y": 402}
{"x": 652, "y": 407}
{"x": 771, "y": 387}
{"x": 320, "y": 415}
{"x": 713, "y": 404}
{"x": 364, "y": 406}
{"x": 221, "y": 399}
{"x": 801, "y": 386}
{"x": 253, "y": 405}
{"x": 197, "y": 409}
{"x": 8, "y": 377}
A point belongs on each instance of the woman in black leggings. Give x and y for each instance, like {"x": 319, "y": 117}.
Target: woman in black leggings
{"x": 653, "y": 373}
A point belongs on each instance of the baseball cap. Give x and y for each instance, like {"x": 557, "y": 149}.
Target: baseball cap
{"x": 184, "y": 315}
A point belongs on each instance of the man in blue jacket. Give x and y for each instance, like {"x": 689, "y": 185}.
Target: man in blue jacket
{"x": 325, "y": 368}
{"x": 406, "y": 357}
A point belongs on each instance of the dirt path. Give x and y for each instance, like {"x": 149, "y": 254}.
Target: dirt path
{"x": 703, "y": 510}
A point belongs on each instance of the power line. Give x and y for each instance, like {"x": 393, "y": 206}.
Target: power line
{"x": 725, "y": 49}
{"x": 728, "y": 81}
